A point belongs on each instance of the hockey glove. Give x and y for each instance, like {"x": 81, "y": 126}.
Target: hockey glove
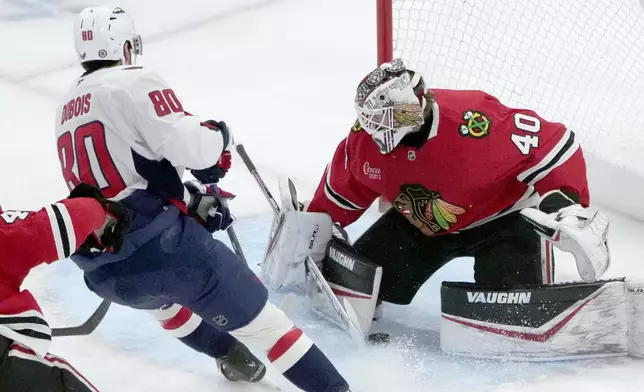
{"x": 571, "y": 228}
{"x": 206, "y": 207}
{"x": 111, "y": 235}
{"x": 294, "y": 236}
{"x": 339, "y": 233}
{"x": 213, "y": 174}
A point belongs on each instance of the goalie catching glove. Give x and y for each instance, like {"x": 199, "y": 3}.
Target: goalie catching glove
{"x": 572, "y": 228}
{"x": 294, "y": 235}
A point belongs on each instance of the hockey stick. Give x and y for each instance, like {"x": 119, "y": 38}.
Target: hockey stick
{"x": 253, "y": 171}
{"x": 88, "y": 326}
{"x": 232, "y": 235}
{"x": 347, "y": 317}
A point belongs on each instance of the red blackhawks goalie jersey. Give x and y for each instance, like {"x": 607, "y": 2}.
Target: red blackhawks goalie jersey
{"x": 481, "y": 160}
{"x": 28, "y": 239}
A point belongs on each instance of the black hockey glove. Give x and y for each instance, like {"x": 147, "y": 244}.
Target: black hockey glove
{"x": 206, "y": 207}
{"x": 213, "y": 174}
{"x": 111, "y": 235}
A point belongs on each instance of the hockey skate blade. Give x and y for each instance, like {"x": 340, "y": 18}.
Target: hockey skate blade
{"x": 355, "y": 331}
{"x": 289, "y": 305}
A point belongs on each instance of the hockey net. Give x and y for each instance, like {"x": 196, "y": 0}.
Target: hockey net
{"x": 579, "y": 62}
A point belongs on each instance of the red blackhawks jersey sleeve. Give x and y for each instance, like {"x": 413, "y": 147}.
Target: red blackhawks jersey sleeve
{"x": 547, "y": 155}
{"x": 553, "y": 158}
{"x": 28, "y": 239}
{"x": 339, "y": 193}
{"x": 558, "y": 164}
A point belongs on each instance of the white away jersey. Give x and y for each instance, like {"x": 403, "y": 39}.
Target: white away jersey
{"x": 122, "y": 128}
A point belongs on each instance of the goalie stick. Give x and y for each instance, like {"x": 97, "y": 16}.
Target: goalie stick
{"x": 95, "y": 319}
{"x": 346, "y": 315}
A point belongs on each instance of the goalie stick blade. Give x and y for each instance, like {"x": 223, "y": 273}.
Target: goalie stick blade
{"x": 88, "y": 326}
{"x": 356, "y": 333}
{"x": 323, "y": 291}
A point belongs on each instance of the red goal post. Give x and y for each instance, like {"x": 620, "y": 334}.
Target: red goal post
{"x": 579, "y": 62}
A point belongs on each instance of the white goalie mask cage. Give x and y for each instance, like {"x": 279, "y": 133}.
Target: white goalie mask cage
{"x": 388, "y": 106}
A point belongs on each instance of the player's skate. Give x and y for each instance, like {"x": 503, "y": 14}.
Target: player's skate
{"x": 572, "y": 229}
{"x": 239, "y": 364}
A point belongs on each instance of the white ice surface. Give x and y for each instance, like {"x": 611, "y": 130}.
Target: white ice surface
{"x": 282, "y": 73}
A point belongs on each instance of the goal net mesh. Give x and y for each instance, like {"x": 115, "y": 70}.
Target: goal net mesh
{"x": 579, "y": 62}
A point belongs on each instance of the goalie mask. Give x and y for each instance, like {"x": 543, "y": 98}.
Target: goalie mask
{"x": 390, "y": 102}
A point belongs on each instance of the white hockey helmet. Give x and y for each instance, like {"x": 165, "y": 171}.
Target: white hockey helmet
{"x": 101, "y": 32}
{"x": 390, "y": 102}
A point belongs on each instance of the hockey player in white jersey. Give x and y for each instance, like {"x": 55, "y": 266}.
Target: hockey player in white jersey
{"x": 122, "y": 128}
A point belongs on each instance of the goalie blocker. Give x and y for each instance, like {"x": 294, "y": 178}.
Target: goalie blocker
{"x": 562, "y": 321}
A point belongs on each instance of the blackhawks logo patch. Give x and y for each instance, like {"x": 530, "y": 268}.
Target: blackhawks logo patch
{"x": 477, "y": 125}
{"x": 426, "y": 209}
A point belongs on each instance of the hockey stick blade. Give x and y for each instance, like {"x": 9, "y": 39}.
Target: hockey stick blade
{"x": 88, "y": 326}
{"x": 356, "y": 332}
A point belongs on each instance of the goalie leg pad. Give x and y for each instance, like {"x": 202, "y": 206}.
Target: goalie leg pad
{"x": 563, "y": 321}
{"x": 635, "y": 298}
{"x": 354, "y": 278}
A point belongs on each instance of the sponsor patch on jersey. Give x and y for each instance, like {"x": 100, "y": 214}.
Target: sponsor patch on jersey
{"x": 373, "y": 173}
{"x": 477, "y": 124}
{"x": 426, "y": 209}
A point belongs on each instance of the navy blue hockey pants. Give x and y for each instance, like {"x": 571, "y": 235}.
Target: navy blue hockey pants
{"x": 169, "y": 258}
